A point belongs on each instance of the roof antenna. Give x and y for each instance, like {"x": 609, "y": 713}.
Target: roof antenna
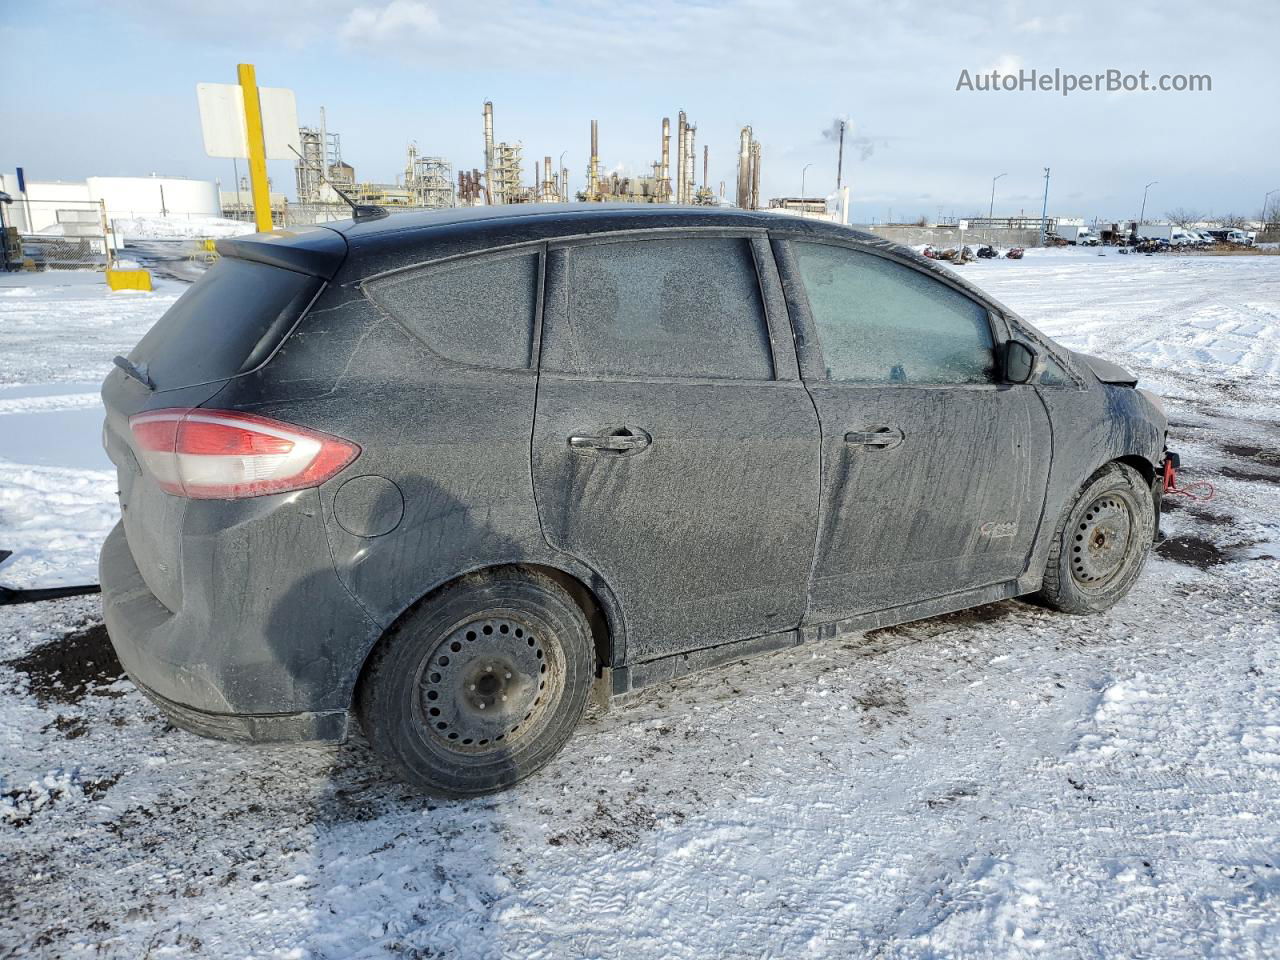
{"x": 359, "y": 211}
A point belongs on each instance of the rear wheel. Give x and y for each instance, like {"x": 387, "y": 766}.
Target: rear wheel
{"x": 1101, "y": 543}
{"x": 479, "y": 686}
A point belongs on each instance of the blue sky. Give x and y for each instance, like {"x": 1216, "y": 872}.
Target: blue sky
{"x": 93, "y": 89}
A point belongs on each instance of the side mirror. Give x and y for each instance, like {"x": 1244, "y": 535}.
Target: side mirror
{"x": 1020, "y": 362}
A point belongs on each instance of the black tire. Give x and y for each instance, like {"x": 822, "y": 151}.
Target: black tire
{"x": 480, "y": 685}
{"x": 1101, "y": 543}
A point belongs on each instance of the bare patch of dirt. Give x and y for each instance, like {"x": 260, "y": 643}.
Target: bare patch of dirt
{"x": 70, "y": 727}
{"x": 1174, "y": 504}
{"x": 1193, "y": 551}
{"x": 1211, "y": 518}
{"x": 1250, "y": 475}
{"x": 1270, "y": 458}
{"x": 69, "y": 668}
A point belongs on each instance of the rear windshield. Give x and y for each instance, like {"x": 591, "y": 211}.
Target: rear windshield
{"x": 227, "y": 323}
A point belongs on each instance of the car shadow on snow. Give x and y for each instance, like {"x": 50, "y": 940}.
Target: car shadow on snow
{"x": 387, "y": 865}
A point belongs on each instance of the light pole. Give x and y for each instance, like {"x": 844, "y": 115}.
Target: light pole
{"x": 1264, "y": 206}
{"x": 992, "y": 207}
{"x": 840, "y": 159}
{"x": 1143, "y": 212}
{"x": 1044, "y": 211}
{"x": 806, "y": 167}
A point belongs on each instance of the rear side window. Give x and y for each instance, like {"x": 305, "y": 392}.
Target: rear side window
{"x": 228, "y": 322}
{"x": 882, "y": 322}
{"x": 472, "y": 311}
{"x": 661, "y": 308}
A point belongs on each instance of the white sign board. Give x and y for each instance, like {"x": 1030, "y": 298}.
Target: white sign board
{"x": 222, "y": 121}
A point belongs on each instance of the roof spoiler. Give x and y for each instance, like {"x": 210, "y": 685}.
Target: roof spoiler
{"x": 316, "y": 251}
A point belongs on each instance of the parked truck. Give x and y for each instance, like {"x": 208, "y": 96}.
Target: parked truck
{"x": 1077, "y": 234}
{"x": 1232, "y": 235}
{"x": 1156, "y": 231}
{"x": 1167, "y": 234}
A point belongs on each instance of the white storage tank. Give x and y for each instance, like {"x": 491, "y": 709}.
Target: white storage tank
{"x": 137, "y": 197}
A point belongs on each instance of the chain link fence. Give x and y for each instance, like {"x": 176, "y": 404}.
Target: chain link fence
{"x": 304, "y": 214}
{"x": 56, "y": 234}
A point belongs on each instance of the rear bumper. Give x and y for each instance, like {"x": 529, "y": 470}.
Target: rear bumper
{"x": 267, "y": 644}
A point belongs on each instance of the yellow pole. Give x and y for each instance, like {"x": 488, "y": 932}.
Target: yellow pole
{"x": 257, "y": 147}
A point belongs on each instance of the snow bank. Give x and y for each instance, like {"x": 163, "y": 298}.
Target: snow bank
{"x": 178, "y": 228}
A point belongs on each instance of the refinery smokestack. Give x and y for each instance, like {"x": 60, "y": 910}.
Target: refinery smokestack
{"x": 664, "y": 169}
{"x": 705, "y": 151}
{"x": 755, "y": 175}
{"x": 744, "y": 168}
{"x": 593, "y": 171}
{"x": 682, "y": 155}
{"x": 691, "y": 164}
{"x": 488, "y": 152}
{"x": 548, "y": 181}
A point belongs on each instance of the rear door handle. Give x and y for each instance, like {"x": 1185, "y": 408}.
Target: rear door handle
{"x": 622, "y": 440}
{"x": 880, "y": 438}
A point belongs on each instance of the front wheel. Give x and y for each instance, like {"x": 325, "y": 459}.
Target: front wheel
{"x": 480, "y": 685}
{"x": 1101, "y": 543}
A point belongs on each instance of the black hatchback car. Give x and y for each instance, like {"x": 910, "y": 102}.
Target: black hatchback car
{"x": 449, "y": 472}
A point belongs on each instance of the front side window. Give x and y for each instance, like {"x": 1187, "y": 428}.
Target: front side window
{"x": 660, "y": 308}
{"x": 881, "y": 322}
{"x": 472, "y": 311}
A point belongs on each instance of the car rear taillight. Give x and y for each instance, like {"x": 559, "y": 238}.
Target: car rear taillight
{"x": 221, "y": 455}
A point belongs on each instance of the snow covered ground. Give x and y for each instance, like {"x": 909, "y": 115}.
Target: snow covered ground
{"x": 1002, "y": 782}
{"x": 58, "y": 333}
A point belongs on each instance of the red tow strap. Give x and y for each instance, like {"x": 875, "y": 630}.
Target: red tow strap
{"x": 1200, "y": 490}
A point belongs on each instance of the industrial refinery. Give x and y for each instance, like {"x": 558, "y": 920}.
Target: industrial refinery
{"x": 324, "y": 181}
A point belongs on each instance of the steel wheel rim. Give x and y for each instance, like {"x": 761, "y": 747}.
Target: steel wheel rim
{"x": 489, "y": 684}
{"x": 1100, "y": 540}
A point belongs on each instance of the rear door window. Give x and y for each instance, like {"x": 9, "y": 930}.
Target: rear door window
{"x": 226, "y": 323}
{"x": 681, "y": 307}
{"x": 474, "y": 311}
{"x": 882, "y": 322}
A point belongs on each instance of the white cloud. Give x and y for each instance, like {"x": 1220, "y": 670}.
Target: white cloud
{"x": 397, "y": 22}
{"x": 1008, "y": 63}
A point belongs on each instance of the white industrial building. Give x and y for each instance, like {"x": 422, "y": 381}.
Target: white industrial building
{"x": 48, "y": 203}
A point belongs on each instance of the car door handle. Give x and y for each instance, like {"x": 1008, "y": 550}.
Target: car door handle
{"x": 880, "y": 438}
{"x": 624, "y": 440}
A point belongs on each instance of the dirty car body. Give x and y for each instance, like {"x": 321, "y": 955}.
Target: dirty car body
{"x": 716, "y": 432}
